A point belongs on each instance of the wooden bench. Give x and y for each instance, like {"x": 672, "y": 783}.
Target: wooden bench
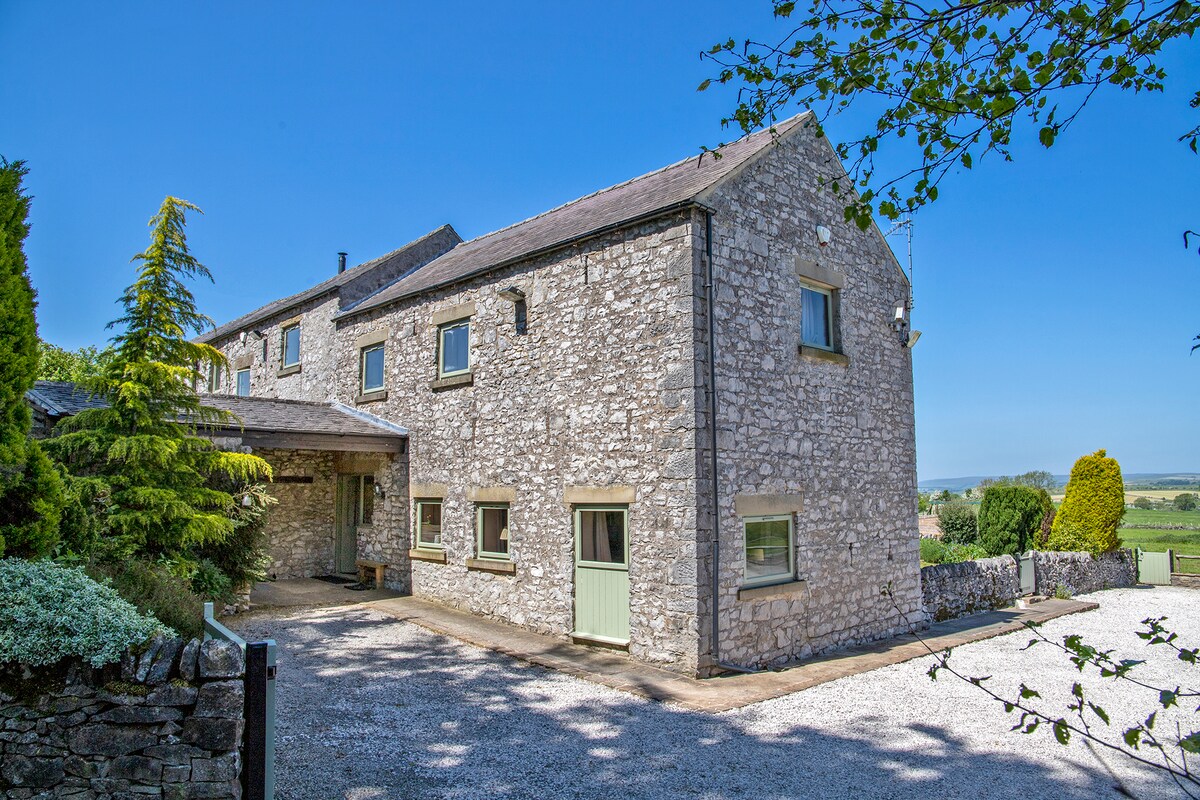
{"x": 364, "y": 565}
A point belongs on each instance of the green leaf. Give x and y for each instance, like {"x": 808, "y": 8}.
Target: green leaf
{"x": 966, "y": 162}
{"x": 1046, "y": 136}
{"x": 1167, "y": 697}
{"x": 1061, "y": 732}
{"x": 1132, "y": 737}
{"x": 1099, "y": 712}
{"x": 1191, "y": 742}
{"x": 704, "y": 84}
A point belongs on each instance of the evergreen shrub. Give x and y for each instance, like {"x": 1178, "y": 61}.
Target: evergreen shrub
{"x": 956, "y": 520}
{"x": 153, "y": 589}
{"x": 1009, "y": 519}
{"x": 932, "y": 551}
{"x": 50, "y": 612}
{"x": 1092, "y": 508}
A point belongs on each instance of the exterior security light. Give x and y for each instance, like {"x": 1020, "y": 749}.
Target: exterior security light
{"x": 378, "y": 490}
{"x": 912, "y": 339}
{"x": 823, "y": 235}
{"x": 899, "y": 314}
{"x": 512, "y": 294}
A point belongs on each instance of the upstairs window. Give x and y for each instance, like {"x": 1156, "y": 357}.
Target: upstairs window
{"x": 214, "y": 378}
{"x": 291, "y": 346}
{"x": 243, "y": 382}
{"x": 492, "y": 525}
{"x": 371, "y": 369}
{"x": 454, "y": 341}
{"x": 816, "y": 317}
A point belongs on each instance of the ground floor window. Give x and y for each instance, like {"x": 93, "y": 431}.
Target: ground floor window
{"x": 768, "y": 550}
{"x": 603, "y": 534}
{"x": 429, "y": 523}
{"x": 492, "y": 529}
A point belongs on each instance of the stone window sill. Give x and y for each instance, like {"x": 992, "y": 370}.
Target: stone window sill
{"x": 773, "y": 591}
{"x": 371, "y": 397}
{"x": 285, "y": 371}
{"x": 427, "y": 554}
{"x": 824, "y": 355}
{"x": 466, "y": 379}
{"x": 492, "y": 565}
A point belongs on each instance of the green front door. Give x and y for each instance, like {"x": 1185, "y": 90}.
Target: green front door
{"x": 602, "y": 574}
{"x": 348, "y": 515}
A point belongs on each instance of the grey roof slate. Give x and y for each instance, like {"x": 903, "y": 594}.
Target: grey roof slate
{"x": 681, "y": 183}
{"x": 62, "y": 398}
{"x": 324, "y": 287}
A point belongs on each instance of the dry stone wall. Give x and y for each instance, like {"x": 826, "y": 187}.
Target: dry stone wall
{"x": 839, "y": 432}
{"x": 956, "y": 590}
{"x": 1080, "y": 573}
{"x": 164, "y": 723}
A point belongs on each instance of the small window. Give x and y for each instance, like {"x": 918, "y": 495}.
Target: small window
{"x": 603, "y": 534}
{"x": 454, "y": 348}
{"x": 768, "y": 550}
{"x": 214, "y": 378}
{"x": 816, "y": 317}
{"x": 492, "y": 525}
{"x": 243, "y": 382}
{"x": 291, "y": 346}
{"x": 429, "y": 523}
{"x": 371, "y": 369}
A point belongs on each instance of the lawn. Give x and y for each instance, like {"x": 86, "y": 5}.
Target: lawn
{"x": 1138, "y": 516}
{"x": 1185, "y": 542}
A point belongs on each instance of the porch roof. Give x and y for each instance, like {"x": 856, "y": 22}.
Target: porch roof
{"x": 302, "y": 425}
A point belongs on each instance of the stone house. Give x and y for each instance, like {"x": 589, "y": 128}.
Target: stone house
{"x": 577, "y": 461}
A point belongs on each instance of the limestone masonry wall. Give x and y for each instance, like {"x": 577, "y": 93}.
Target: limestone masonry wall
{"x": 1080, "y": 573}
{"x": 956, "y": 590}
{"x": 300, "y": 527}
{"x": 166, "y": 723}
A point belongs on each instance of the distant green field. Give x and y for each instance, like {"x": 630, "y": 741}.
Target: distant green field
{"x": 1137, "y": 516}
{"x": 1186, "y": 542}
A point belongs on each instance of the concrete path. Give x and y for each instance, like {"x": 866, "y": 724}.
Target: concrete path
{"x": 619, "y": 671}
{"x": 310, "y": 592}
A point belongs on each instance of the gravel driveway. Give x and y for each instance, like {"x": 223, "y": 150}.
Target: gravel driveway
{"x": 370, "y": 707}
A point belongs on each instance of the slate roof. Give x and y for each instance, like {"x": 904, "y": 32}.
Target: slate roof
{"x": 677, "y": 185}
{"x": 63, "y": 399}
{"x": 325, "y": 287}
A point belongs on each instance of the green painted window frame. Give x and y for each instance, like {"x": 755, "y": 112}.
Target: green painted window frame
{"x": 770, "y": 580}
{"x": 486, "y": 554}
{"x": 214, "y": 378}
{"x": 417, "y": 505}
{"x": 238, "y": 382}
{"x": 577, "y": 516}
{"x": 441, "y": 347}
{"x": 283, "y": 347}
{"x": 827, "y": 293}
{"x": 362, "y": 368}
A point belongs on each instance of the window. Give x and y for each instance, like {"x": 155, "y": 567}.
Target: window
{"x": 454, "y": 348}
{"x": 243, "y": 382}
{"x": 291, "y": 346}
{"x": 816, "y": 317}
{"x": 768, "y": 550}
{"x": 429, "y": 523}
{"x": 214, "y": 378}
{"x": 492, "y": 526}
{"x": 603, "y": 534}
{"x": 371, "y": 369}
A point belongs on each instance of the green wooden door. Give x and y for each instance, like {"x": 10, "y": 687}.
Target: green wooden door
{"x": 347, "y": 512}
{"x": 602, "y": 574}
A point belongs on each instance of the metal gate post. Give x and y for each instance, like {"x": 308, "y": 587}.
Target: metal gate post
{"x": 254, "y": 738}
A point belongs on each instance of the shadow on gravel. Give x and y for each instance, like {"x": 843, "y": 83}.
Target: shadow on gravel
{"x": 370, "y": 707}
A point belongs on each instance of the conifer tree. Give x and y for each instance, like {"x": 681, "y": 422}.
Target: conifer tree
{"x": 30, "y": 488}
{"x": 1092, "y": 508}
{"x": 162, "y": 477}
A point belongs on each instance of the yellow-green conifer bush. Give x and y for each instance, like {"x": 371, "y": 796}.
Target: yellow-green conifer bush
{"x": 1092, "y": 508}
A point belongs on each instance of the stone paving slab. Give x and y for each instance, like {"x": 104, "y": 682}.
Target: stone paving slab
{"x": 310, "y": 592}
{"x": 619, "y": 671}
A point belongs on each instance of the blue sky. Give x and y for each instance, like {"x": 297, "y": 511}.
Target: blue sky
{"x": 1055, "y": 296}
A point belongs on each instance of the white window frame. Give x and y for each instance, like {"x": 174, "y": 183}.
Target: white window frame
{"x": 362, "y": 368}
{"x": 214, "y": 378}
{"x": 829, "y": 326}
{"x": 487, "y": 554}
{"x": 440, "y": 544}
{"x": 769, "y": 580}
{"x": 283, "y": 362}
{"x": 237, "y": 382}
{"x": 441, "y": 345}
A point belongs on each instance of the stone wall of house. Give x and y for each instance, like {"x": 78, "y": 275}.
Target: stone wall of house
{"x": 594, "y": 394}
{"x": 166, "y": 723}
{"x": 956, "y": 590}
{"x": 838, "y": 432}
{"x": 300, "y": 528}
{"x": 1080, "y": 573}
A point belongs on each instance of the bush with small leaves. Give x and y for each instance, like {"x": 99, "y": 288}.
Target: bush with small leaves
{"x": 155, "y": 590}
{"x": 956, "y": 520}
{"x": 1009, "y": 519}
{"x": 50, "y": 612}
{"x": 932, "y": 551}
{"x": 957, "y": 553}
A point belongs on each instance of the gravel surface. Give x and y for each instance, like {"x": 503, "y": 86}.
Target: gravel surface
{"x": 370, "y": 707}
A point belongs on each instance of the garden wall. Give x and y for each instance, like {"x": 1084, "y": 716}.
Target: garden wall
{"x": 956, "y": 590}
{"x": 166, "y": 723}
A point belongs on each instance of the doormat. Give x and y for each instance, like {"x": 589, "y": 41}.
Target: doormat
{"x": 338, "y": 579}
{"x": 359, "y": 587}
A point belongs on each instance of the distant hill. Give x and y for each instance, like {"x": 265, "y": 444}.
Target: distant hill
{"x": 1165, "y": 480}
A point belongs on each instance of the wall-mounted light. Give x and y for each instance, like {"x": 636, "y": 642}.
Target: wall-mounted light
{"x": 378, "y": 490}
{"x": 823, "y": 235}
{"x": 912, "y": 339}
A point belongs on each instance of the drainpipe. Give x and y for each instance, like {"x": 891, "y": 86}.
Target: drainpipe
{"x": 710, "y": 333}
